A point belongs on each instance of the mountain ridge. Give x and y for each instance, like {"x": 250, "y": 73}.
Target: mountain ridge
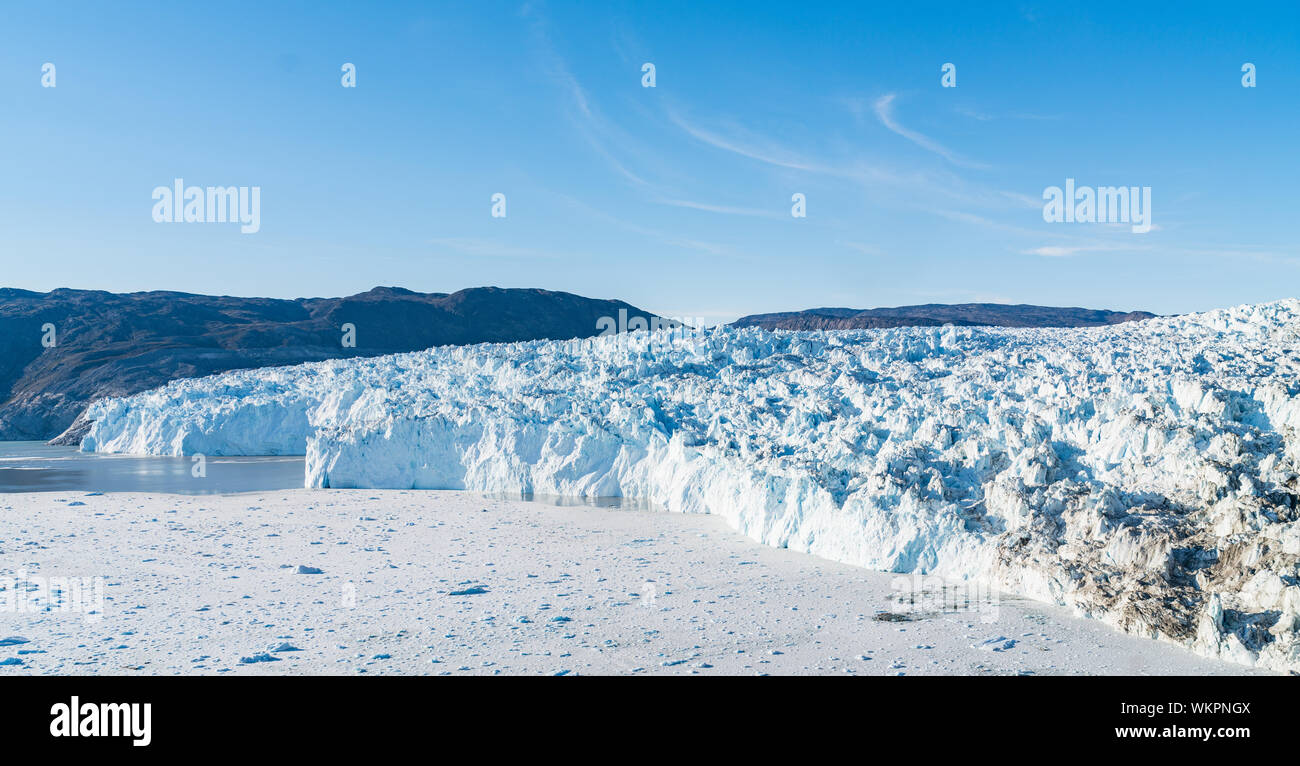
{"x": 115, "y": 344}
{"x": 936, "y": 314}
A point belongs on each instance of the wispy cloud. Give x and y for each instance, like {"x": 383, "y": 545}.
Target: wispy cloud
{"x": 712, "y": 248}
{"x": 974, "y": 115}
{"x": 856, "y": 169}
{"x": 1063, "y": 251}
{"x": 590, "y": 124}
{"x": 865, "y": 249}
{"x": 1023, "y": 200}
{"x": 884, "y": 108}
{"x": 928, "y": 186}
{"x": 1054, "y": 251}
{"x": 726, "y": 209}
{"x": 769, "y": 154}
{"x": 962, "y": 216}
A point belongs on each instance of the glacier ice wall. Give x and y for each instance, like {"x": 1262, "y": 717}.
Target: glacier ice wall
{"x": 1144, "y": 474}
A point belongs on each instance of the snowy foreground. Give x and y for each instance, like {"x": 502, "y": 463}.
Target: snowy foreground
{"x": 1143, "y": 474}
{"x": 453, "y": 583}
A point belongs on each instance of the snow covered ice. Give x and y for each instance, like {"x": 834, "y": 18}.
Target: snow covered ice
{"x": 1145, "y": 474}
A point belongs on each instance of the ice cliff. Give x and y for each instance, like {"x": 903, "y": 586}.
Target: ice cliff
{"x": 1145, "y": 474}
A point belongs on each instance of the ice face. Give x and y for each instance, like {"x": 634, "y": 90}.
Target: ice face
{"x": 1143, "y": 473}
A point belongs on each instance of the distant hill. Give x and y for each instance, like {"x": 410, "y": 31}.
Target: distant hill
{"x": 112, "y": 344}
{"x": 936, "y": 314}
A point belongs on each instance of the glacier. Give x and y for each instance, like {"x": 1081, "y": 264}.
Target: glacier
{"x": 1145, "y": 474}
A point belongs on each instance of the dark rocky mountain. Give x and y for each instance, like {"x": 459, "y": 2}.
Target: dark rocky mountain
{"x": 111, "y": 344}
{"x": 936, "y": 314}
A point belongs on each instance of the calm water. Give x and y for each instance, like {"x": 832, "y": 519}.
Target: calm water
{"x": 38, "y": 467}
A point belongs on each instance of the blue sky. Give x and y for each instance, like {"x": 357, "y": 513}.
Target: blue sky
{"x": 676, "y": 198}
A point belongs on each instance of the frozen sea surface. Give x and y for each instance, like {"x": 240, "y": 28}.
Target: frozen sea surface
{"x": 453, "y": 583}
